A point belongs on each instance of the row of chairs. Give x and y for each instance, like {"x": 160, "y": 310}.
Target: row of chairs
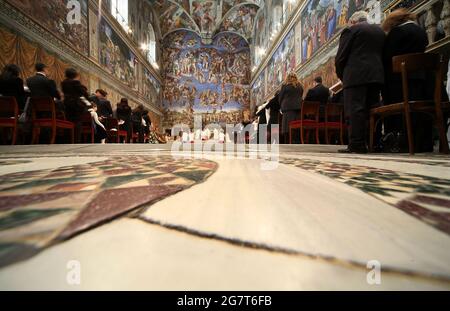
{"x": 310, "y": 121}
{"x": 45, "y": 115}
{"x": 404, "y": 65}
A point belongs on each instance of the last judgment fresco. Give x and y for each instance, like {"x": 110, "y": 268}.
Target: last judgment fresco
{"x": 211, "y": 80}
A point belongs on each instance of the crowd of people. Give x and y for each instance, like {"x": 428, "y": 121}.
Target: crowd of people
{"x": 74, "y": 103}
{"x": 364, "y": 66}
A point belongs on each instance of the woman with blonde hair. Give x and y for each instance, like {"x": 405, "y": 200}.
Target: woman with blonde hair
{"x": 405, "y": 36}
{"x": 290, "y": 99}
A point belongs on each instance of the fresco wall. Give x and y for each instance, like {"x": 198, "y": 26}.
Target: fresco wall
{"x": 52, "y": 15}
{"x": 282, "y": 63}
{"x": 208, "y": 80}
{"x": 116, "y": 56}
{"x": 322, "y": 19}
{"x": 258, "y": 92}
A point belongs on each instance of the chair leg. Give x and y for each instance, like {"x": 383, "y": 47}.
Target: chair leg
{"x": 53, "y": 139}
{"x": 14, "y": 135}
{"x": 35, "y": 136}
{"x": 371, "y": 132}
{"x": 290, "y": 136}
{"x": 442, "y": 133}
{"x": 410, "y": 133}
{"x": 72, "y": 135}
{"x": 327, "y": 137}
{"x": 302, "y": 135}
{"x": 341, "y": 135}
{"x": 317, "y": 136}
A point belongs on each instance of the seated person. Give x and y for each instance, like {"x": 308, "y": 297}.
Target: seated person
{"x": 319, "y": 93}
{"x": 99, "y": 128}
{"x": 41, "y": 86}
{"x": 12, "y": 85}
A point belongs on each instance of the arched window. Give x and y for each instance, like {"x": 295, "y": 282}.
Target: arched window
{"x": 119, "y": 9}
{"x": 151, "y": 55}
{"x": 149, "y": 44}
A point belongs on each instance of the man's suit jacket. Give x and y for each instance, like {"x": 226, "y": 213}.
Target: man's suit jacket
{"x": 42, "y": 86}
{"x": 290, "y": 97}
{"x": 319, "y": 93}
{"x": 359, "y": 57}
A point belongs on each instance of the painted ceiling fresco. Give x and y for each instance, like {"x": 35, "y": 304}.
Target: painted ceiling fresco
{"x": 207, "y": 18}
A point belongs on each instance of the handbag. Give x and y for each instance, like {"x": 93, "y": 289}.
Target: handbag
{"x": 25, "y": 115}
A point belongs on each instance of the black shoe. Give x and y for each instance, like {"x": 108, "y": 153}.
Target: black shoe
{"x": 359, "y": 150}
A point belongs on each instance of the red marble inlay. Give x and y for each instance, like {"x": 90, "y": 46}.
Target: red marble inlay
{"x": 115, "y": 202}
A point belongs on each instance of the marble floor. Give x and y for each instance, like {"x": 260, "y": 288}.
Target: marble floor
{"x": 143, "y": 217}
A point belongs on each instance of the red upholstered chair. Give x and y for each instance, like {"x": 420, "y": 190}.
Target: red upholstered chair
{"x": 87, "y": 128}
{"x": 406, "y": 64}
{"x": 309, "y": 120}
{"x": 9, "y": 113}
{"x": 334, "y": 121}
{"x": 43, "y": 115}
{"x": 134, "y": 135}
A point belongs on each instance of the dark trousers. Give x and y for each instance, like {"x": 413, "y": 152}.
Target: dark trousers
{"x": 358, "y": 101}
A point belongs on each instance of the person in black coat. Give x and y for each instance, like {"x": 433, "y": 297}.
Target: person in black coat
{"x": 290, "y": 99}
{"x": 359, "y": 65}
{"x": 123, "y": 113}
{"x": 104, "y": 109}
{"x": 405, "y": 36}
{"x": 319, "y": 93}
{"x": 40, "y": 85}
{"x": 12, "y": 85}
{"x": 136, "y": 118}
{"x": 74, "y": 106}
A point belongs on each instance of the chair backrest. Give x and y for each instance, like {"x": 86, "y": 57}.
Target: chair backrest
{"x": 8, "y": 107}
{"x": 310, "y": 111}
{"x": 43, "y": 108}
{"x": 86, "y": 120}
{"x": 334, "y": 113}
{"x": 416, "y": 62}
{"x": 419, "y": 62}
{"x": 112, "y": 123}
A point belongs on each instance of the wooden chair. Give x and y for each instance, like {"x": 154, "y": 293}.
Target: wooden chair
{"x": 406, "y": 64}
{"x": 9, "y": 114}
{"x": 134, "y": 135}
{"x": 43, "y": 115}
{"x": 309, "y": 120}
{"x": 114, "y": 131}
{"x": 87, "y": 128}
{"x": 334, "y": 120}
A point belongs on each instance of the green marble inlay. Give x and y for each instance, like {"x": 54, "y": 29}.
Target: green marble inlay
{"x": 196, "y": 176}
{"x": 115, "y": 181}
{"x": 23, "y": 217}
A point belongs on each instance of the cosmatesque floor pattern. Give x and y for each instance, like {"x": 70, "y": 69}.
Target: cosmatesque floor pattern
{"x": 136, "y": 217}
{"x": 41, "y": 207}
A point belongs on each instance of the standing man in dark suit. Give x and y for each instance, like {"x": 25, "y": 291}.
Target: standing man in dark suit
{"x": 319, "y": 93}
{"x": 359, "y": 65}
